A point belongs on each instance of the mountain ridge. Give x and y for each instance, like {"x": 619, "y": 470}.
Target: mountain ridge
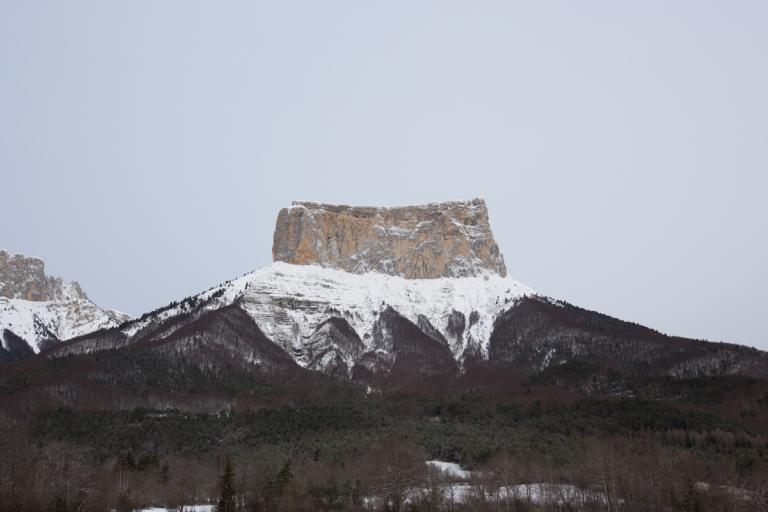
{"x": 328, "y": 320}
{"x": 383, "y": 329}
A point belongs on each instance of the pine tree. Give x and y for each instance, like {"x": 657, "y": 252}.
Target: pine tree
{"x": 227, "y": 500}
{"x": 284, "y": 477}
{"x": 164, "y": 473}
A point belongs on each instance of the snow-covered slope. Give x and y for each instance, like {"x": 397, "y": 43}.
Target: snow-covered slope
{"x": 43, "y": 309}
{"x": 375, "y": 326}
{"x": 38, "y": 322}
{"x": 290, "y": 303}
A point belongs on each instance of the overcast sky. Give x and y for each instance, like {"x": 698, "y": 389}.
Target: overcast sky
{"x": 622, "y": 147}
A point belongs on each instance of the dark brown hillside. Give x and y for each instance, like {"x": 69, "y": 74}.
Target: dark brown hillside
{"x": 218, "y": 362}
{"x": 17, "y": 348}
{"x": 537, "y": 333}
{"x": 403, "y": 353}
{"x": 227, "y": 336}
{"x": 158, "y": 327}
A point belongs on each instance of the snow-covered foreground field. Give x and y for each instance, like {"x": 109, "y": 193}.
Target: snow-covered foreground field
{"x": 458, "y": 487}
{"x": 534, "y": 493}
{"x": 188, "y": 508}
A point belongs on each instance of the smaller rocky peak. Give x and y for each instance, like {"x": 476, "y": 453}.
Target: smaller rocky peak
{"x": 23, "y": 277}
{"x": 449, "y": 239}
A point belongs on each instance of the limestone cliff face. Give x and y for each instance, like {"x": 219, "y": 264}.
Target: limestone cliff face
{"x": 451, "y": 239}
{"x": 22, "y": 277}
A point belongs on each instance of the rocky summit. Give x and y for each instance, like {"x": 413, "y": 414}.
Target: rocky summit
{"x": 450, "y": 239}
{"x": 22, "y": 277}
{"x": 38, "y": 311}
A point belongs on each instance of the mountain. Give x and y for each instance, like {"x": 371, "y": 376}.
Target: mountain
{"x": 331, "y": 320}
{"x": 335, "y": 357}
{"x": 342, "y": 298}
{"x": 38, "y": 311}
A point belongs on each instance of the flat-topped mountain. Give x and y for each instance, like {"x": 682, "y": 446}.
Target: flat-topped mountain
{"x": 451, "y": 239}
{"x": 387, "y": 295}
{"x": 326, "y": 360}
{"x": 381, "y": 296}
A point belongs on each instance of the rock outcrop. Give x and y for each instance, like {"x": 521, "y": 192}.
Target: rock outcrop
{"x": 22, "y": 277}
{"x": 451, "y": 239}
{"x": 39, "y": 310}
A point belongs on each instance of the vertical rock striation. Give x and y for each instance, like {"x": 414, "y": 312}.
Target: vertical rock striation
{"x": 451, "y": 239}
{"x": 22, "y": 277}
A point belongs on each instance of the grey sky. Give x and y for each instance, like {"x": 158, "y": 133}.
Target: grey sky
{"x": 622, "y": 147}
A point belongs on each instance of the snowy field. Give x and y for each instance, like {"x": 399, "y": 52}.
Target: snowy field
{"x": 461, "y": 490}
{"x": 540, "y": 493}
{"x": 189, "y": 508}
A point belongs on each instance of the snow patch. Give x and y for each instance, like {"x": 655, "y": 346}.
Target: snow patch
{"x": 36, "y": 321}
{"x": 185, "y": 508}
{"x": 449, "y": 468}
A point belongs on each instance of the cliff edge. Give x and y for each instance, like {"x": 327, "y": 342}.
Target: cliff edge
{"x": 450, "y": 239}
